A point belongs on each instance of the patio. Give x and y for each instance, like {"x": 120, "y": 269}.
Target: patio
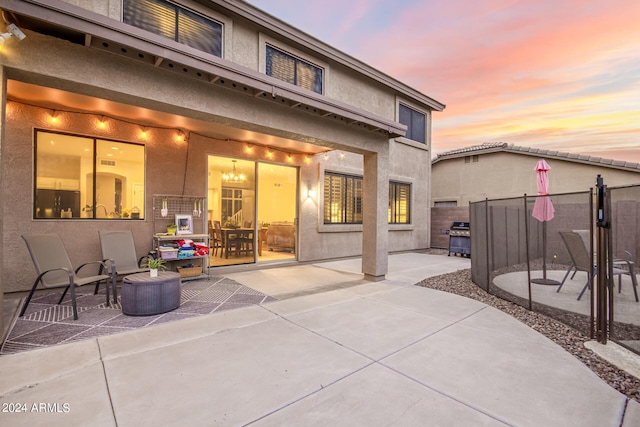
{"x": 349, "y": 356}
{"x": 627, "y": 310}
{"x": 46, "y": 323}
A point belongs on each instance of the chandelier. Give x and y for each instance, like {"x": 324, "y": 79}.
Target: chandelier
{"x": 233, "y": 176}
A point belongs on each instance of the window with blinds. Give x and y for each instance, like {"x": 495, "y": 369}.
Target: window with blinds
{"x": 415, "y": 121}
{"x": 342, "y": 199}
{"x": 293, "y": 70}
{"x": 399, "y": 203}
{"x": 169, "y": 20}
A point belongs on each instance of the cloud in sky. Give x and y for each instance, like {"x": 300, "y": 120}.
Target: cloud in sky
{"x": 561, "y": 75}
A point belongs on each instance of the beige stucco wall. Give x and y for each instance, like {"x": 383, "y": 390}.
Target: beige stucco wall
{"x": 244, "y": 42}
{"x": 75, "y": 68}
{"x": 110, "y": 8}
{"x": 504, "y": 174}
{"x": 57, "y": 63}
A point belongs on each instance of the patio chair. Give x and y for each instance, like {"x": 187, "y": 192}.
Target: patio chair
{"x": 54, "y": 269}
{"x": 585, "y": 235}
{"x": 582, "y": 261}
{"x": 119, "y": 253}
{"x": 629, "y": 267}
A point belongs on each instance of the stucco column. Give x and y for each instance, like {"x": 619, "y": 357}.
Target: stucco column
{"x": 3, "y": 109}
{"x": 375, "y": 205}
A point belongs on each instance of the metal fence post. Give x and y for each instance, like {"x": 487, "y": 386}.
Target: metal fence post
{"x": 526, "y": 238}
{"x": 486, "y": 230}
{"x": 601, "y": 263}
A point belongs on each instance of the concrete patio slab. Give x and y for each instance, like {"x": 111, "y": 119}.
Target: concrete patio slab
{"x": 61, "y": 385}
{"x": 374, "y": 354}
{"x": 371, "y": 328}
{"x": 229, "y": 378}
{"x": 632, "y": 414}
{"x": 173, "y": 333}
{"x": 277, "y": 281}
{"x": 32, "y": 367}
{"x": 408, "y": 268}
{"x": 436, "y": 303}
{"x": 357, "y": 401}
{"x": 524, "y": 383}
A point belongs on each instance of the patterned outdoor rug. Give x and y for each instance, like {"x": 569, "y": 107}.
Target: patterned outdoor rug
{"x": 46, "y": 323}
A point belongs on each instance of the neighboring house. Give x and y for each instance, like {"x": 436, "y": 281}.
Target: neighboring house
{"x": 107, "y": 104}
{"x": 501, "y": 170}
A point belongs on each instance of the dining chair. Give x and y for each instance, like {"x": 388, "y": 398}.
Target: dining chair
{"x": 55, "y": 270}
{"x": 215, "y": 237}
{"x": 229, "y": 240}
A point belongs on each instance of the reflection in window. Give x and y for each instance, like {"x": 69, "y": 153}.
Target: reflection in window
{"x": 399, "y": 203}
{"x": 415, "y": 122}
{"x": 174, "y": 22}
{"x": 78, "y": 177}
{"x": 293, "y": 70}
{"x": 342, "y": 199}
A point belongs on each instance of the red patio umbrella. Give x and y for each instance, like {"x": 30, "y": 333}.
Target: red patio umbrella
{"x": 543, "y": 211}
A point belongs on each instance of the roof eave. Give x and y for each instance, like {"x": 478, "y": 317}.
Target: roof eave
{"x": 97, "y": 28}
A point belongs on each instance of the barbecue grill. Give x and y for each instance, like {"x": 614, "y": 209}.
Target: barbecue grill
{"x": 460, "y": 238}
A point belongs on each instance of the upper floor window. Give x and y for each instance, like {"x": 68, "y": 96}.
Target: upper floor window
{"x": 415, "y": 122}
{"x": 169, "y": 20}
{"x": 81, "y": 177}
{"x": 399, "y": 203}
{"x": 293, "y": 70}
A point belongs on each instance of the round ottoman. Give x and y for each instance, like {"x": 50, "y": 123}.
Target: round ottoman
{"x": 143, "y": 295}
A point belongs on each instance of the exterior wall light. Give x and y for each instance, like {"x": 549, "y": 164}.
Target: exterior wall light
{"x": 311, "y": 193}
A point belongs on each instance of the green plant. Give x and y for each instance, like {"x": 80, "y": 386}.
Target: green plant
{"x": 155, "y": 264}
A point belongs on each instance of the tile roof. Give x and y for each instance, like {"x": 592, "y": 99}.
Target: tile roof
{"x": 493, "y": 147}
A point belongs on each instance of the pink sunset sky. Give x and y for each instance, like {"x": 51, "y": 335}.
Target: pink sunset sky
{"x": 560, "y": 75}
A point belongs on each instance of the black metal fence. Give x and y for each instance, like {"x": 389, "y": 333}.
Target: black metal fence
{"x": 526, "y": 261}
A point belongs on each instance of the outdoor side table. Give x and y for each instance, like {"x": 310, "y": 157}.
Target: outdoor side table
{"x": 143, "y": 295}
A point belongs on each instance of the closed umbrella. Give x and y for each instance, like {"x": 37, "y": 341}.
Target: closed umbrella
{"x": 543, "y": 211}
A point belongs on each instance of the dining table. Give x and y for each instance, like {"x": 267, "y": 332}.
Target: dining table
{"x": 231, "y": 238}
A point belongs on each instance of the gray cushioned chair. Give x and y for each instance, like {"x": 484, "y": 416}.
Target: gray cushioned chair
{"x": 54, "y": 269}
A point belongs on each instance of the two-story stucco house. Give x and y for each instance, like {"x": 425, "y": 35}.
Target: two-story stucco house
{"x": 112, "y": 109}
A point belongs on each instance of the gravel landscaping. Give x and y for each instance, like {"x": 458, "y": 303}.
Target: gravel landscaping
{"x": 570, "y": 339}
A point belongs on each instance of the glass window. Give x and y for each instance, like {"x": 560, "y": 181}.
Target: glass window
{"x": 79, "y": 177}
{"x": 446, "y": 204}
{"x": 342, "y": 199}
{"x": 169, "y": 20}
{"x": 231, "y": 205}
{"x": 399, "y": 203}
{"x": 293, "y": 70}
{"x": 415, "y": 121}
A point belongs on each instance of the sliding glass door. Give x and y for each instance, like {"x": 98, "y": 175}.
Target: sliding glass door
{"x": 277, "y": 210}
{"x": 251, "y": 211}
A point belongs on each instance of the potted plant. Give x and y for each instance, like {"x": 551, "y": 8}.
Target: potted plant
{"x": 154, "y": 264}
{"x": 172, "y": 229}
